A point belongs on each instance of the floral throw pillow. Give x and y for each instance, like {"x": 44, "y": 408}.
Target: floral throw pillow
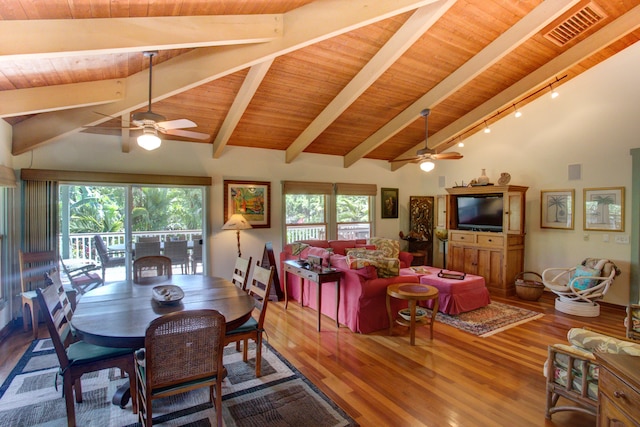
{"x": 390, "y": 247}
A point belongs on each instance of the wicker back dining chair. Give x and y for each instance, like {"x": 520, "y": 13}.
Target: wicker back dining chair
{"x": 252, "y": 328}
{"x": 33, "y": 265}
{"x": 182, "y": 351}
{"x": 77, "y": 357}
{"x": 151, "y": 266}
{"x": 144, "y": 249}
{"x": 240, "y": 276}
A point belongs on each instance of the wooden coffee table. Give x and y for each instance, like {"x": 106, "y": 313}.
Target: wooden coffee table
{"x": 413, "y": 292}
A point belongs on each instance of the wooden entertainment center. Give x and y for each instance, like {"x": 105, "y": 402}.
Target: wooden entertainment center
{"x": 498, "y": 256}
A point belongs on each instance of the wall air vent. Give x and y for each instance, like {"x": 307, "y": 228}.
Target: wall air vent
{"x": 577, "y": 23}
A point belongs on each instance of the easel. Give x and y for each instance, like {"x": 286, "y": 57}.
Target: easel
{"x": 268, "y": 260}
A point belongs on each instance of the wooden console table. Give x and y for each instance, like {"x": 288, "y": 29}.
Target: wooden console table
{"x": 319, "y": 277}
{"x": 618, "y": 390}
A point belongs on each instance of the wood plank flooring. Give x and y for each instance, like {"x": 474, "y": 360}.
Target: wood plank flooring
{"x": 456, "y": 379}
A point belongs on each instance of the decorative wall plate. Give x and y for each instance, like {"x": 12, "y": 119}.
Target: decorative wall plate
{"x": 504, "y": 178}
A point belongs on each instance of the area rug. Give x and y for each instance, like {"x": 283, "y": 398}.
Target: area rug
{"x": 282, "y": 396}
{"x": 489, "y": 320}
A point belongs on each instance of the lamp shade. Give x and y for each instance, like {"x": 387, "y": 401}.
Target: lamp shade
{"x": 427, "y": 165}
{"x": 236, "y": 222}
{"x": 149, "y": 140}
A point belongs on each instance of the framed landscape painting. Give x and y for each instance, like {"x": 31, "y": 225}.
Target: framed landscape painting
{"x": 252, "y": 199}
{"x": 556, "y": 209}
{"x": 604, "y": 208}
{"x": 389, "y": 202}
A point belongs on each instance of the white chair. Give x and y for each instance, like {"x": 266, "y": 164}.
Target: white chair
{"x": 578, "y": 288}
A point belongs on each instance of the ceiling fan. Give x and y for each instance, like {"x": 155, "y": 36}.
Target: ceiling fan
{"x": 151, "y": 123}
{"x": 425, "y": 155}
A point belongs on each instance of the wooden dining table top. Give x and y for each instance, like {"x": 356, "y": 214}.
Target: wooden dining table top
{"x": 117, "y": 315}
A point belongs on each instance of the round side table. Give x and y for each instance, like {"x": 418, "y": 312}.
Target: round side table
{"x": 413, "y": 292}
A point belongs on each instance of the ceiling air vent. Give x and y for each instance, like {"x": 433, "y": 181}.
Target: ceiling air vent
{"x": 576, "y": 24}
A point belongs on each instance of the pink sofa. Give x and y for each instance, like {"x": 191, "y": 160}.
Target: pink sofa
{"x": 362, "y": 294}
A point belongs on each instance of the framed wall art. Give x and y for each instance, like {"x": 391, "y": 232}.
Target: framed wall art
{"x": 604, "y": 209}
{"x": 252, "y": 199}
{"x": 556, "y": 209}
{"x": 389, "y": 202}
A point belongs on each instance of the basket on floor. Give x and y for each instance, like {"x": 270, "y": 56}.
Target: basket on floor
{"x": 527, "y": 289}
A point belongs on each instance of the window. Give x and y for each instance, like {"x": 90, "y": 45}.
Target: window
{"x": 316, "y": 210}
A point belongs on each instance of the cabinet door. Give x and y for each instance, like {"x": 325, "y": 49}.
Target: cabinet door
{"x": 455, "y": 259}
{"x": 514, "y": 212}
{"x": 489, "y": 266}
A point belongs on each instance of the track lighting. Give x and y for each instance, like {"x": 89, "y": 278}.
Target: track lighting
{"x": 486, "y": 127}
{"x": 427, "y": 165}
{"x": 518, "y": 113}
{"x": 554, "y": 93}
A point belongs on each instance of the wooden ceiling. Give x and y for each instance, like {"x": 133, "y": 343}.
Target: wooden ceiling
{"x": 346, "y": 78}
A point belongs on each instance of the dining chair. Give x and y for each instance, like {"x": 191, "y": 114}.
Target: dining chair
{"x": 240, "y": 276}
{"x": 148, "y": 239}
{"x": 33, "y": 265}
{"x": 178, "y": 252}
{"x": 252, "y": 328}
{"x": 182, "y": 352}
{"x": 196, "y": 253}
{"x": 82, "y": 278}
{"x": 144, "y": 249}
{"x": 108, "y": 258}
{"x": 151, "y": 266}
{"x": 77, "y": 357}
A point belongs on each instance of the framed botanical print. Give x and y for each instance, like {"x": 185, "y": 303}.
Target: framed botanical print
{"x": 389, "y": 202}
{"x": 604, "y": 208}
{"x": 556, "y": 209}
{"x": 252, "y": 199}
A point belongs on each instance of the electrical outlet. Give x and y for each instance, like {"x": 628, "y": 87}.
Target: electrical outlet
{"x": 623, "y": 240}
{"x": 605, "y": 238}
{"x": 585, "y": 237}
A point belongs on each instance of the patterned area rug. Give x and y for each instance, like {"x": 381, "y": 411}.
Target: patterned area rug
{"x": 489, "y": 320}
{"x": 282, "y": 396}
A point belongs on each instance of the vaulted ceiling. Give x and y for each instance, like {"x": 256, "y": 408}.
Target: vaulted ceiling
{"x": 346, "y": 78}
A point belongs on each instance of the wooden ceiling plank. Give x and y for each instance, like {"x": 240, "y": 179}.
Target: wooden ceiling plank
{"x": 544, "y": 75}
{"x": 419, "y": 22}
{"x": 18, "y": 102}
{"x": 203, "y": 65}
{"x": 499, "y": 48}
{"x": 118, "y": 35}
{"x": 243, "y": 98}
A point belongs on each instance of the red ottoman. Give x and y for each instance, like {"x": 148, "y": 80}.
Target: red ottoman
{"x": 456, "y": 296}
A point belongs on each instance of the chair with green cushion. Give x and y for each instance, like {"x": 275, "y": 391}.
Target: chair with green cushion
{"x": 182, "y": 351}
{"x": 77, "y": 357}
{"x": 579, "y": 288}
{"x": 572, "y": 370}
{"x": 33, "y": 265}
{"x": 252, "y": 328}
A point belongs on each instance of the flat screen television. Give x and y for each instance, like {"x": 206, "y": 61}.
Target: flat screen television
{"x": 480, "y": 213}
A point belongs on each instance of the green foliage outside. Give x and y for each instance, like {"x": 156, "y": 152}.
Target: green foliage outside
{"x": 100, "y": 209}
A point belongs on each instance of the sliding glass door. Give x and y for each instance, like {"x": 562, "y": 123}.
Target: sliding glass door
{"x": 121, "y": 214}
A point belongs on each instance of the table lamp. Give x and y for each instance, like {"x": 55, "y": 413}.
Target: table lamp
{"x": 237, "y": 222}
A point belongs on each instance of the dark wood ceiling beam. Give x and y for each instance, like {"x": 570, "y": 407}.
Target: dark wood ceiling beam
{"x": 419, "y": 22}
{"x": 619, "y": 28}
{"x": 50, "y": 38}
{"x": 304, "y": 26}
{"x": 541, "y": 16}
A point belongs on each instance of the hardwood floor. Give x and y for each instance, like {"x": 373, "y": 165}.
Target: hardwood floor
{"x": 456, "y": 379}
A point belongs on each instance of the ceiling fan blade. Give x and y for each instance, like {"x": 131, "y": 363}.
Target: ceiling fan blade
{"x": 185, "y": 133}
{"x": 447, "y": 156}
{"x": 176, "y": 124}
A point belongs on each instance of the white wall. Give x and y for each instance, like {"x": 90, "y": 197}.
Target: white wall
{"x": 594, "y": 122}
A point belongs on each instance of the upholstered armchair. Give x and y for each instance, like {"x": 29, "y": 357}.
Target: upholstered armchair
{"x": 578, "y": 288}
{"x": 632, "y": 321}
{"x": 572, "y": 370}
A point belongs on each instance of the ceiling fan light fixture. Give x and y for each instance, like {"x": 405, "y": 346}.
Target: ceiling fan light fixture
{"x": 149, "y": 139}
{"x": 427, "y": 165}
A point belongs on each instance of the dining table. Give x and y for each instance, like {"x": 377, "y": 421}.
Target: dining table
{"x": 118, "y": 314}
